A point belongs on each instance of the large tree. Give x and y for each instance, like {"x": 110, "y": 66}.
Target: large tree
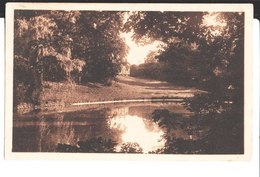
{"x": 74, "y": 46}
{"x": 104, "y": 50}
{"x": 193, "y": 45}
{"x": 205, "y": 50}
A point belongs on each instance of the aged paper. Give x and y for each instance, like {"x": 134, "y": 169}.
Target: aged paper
{"x": 128, "y": 81}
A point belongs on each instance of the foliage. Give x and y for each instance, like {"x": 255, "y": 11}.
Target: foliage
{"x": 93, "y": 145}
{"x": 105, "y": 50}
{"x": 181, "y": 146}
{"x": 26, "y": 82}
{"x": 198, "y": 51}
{"x": 209, "y": 56}
{"x": 84, "y": 46}
{"x": 52, "y": 69}
{"x": 131, "y": 148}
{"x": 225, "y": 120}
{"x": 93, "y": 38}
{"x": 219, "y": 133}
{"x": 151, "y": 57}
{"x": 166, "y": 119}
{"x": 148, "y": 70}
{"x": 170, "y": 121}
{"x": 164, "y": 26}
{"x": 74, "y": 46}
{"x": 99, "y": 145}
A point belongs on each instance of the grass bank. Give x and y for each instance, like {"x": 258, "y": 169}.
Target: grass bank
{"x": 57, "y": 96}
{"x": 124, "y": 88}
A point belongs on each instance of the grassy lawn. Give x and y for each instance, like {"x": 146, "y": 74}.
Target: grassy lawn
{"x": 123, "y": 88}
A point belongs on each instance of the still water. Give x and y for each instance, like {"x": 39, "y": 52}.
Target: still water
{"x": 122, "y": 123}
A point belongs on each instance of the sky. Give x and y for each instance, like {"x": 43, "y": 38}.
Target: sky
{"x": 137, "y": 54}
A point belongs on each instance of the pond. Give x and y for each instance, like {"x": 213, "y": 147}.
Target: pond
{"x": 103, "y": 128}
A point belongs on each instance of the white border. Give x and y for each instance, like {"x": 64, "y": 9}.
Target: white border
{"x": 247, "y": 8}
{"x": 131, "y": 7}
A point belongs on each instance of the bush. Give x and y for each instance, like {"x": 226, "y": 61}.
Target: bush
{"x": 27, "y": 82}
{"x": 52, "y": 69}
{"x": 147, "y": 70}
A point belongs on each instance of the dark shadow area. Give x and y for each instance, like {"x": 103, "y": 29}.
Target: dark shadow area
{"x": 94, "y": 145}
{"x": 99, "y": 145}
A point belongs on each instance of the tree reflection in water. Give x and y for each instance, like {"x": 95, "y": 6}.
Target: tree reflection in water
{"x": 93, "y": 145}
{"x": 223, "y": 113}
{"x": 168, "y": 121}
{"x": 214, "y": 127}
{"x": 100, "y": 145}
{"x": 190, "y": 144}
{"x": 131, "y": 148}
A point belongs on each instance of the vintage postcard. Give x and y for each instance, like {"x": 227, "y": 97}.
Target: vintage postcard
{"x": 128, "y": 81}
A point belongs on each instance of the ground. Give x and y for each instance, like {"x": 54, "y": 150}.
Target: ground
{"x": 123, "y": 88}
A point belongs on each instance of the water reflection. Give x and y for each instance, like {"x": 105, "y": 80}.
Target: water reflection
{"x": 135, "y": 130}
{"x": 127, "y": 128}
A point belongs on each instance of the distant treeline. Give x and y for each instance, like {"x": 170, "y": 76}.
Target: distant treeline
{"x": 164, "y": 72}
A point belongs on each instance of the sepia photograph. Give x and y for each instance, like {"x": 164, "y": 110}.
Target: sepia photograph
{"x": 126, "y": 80}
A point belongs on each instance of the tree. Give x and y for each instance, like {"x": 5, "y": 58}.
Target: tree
{"x": 32, "y": 35}
{"x": 198, "y": 49}
{"x": 151, "y": 57}
{"x": 106, "y": 50}
{"x": 208, "y": 54}
{"x": 74, "y": 46}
